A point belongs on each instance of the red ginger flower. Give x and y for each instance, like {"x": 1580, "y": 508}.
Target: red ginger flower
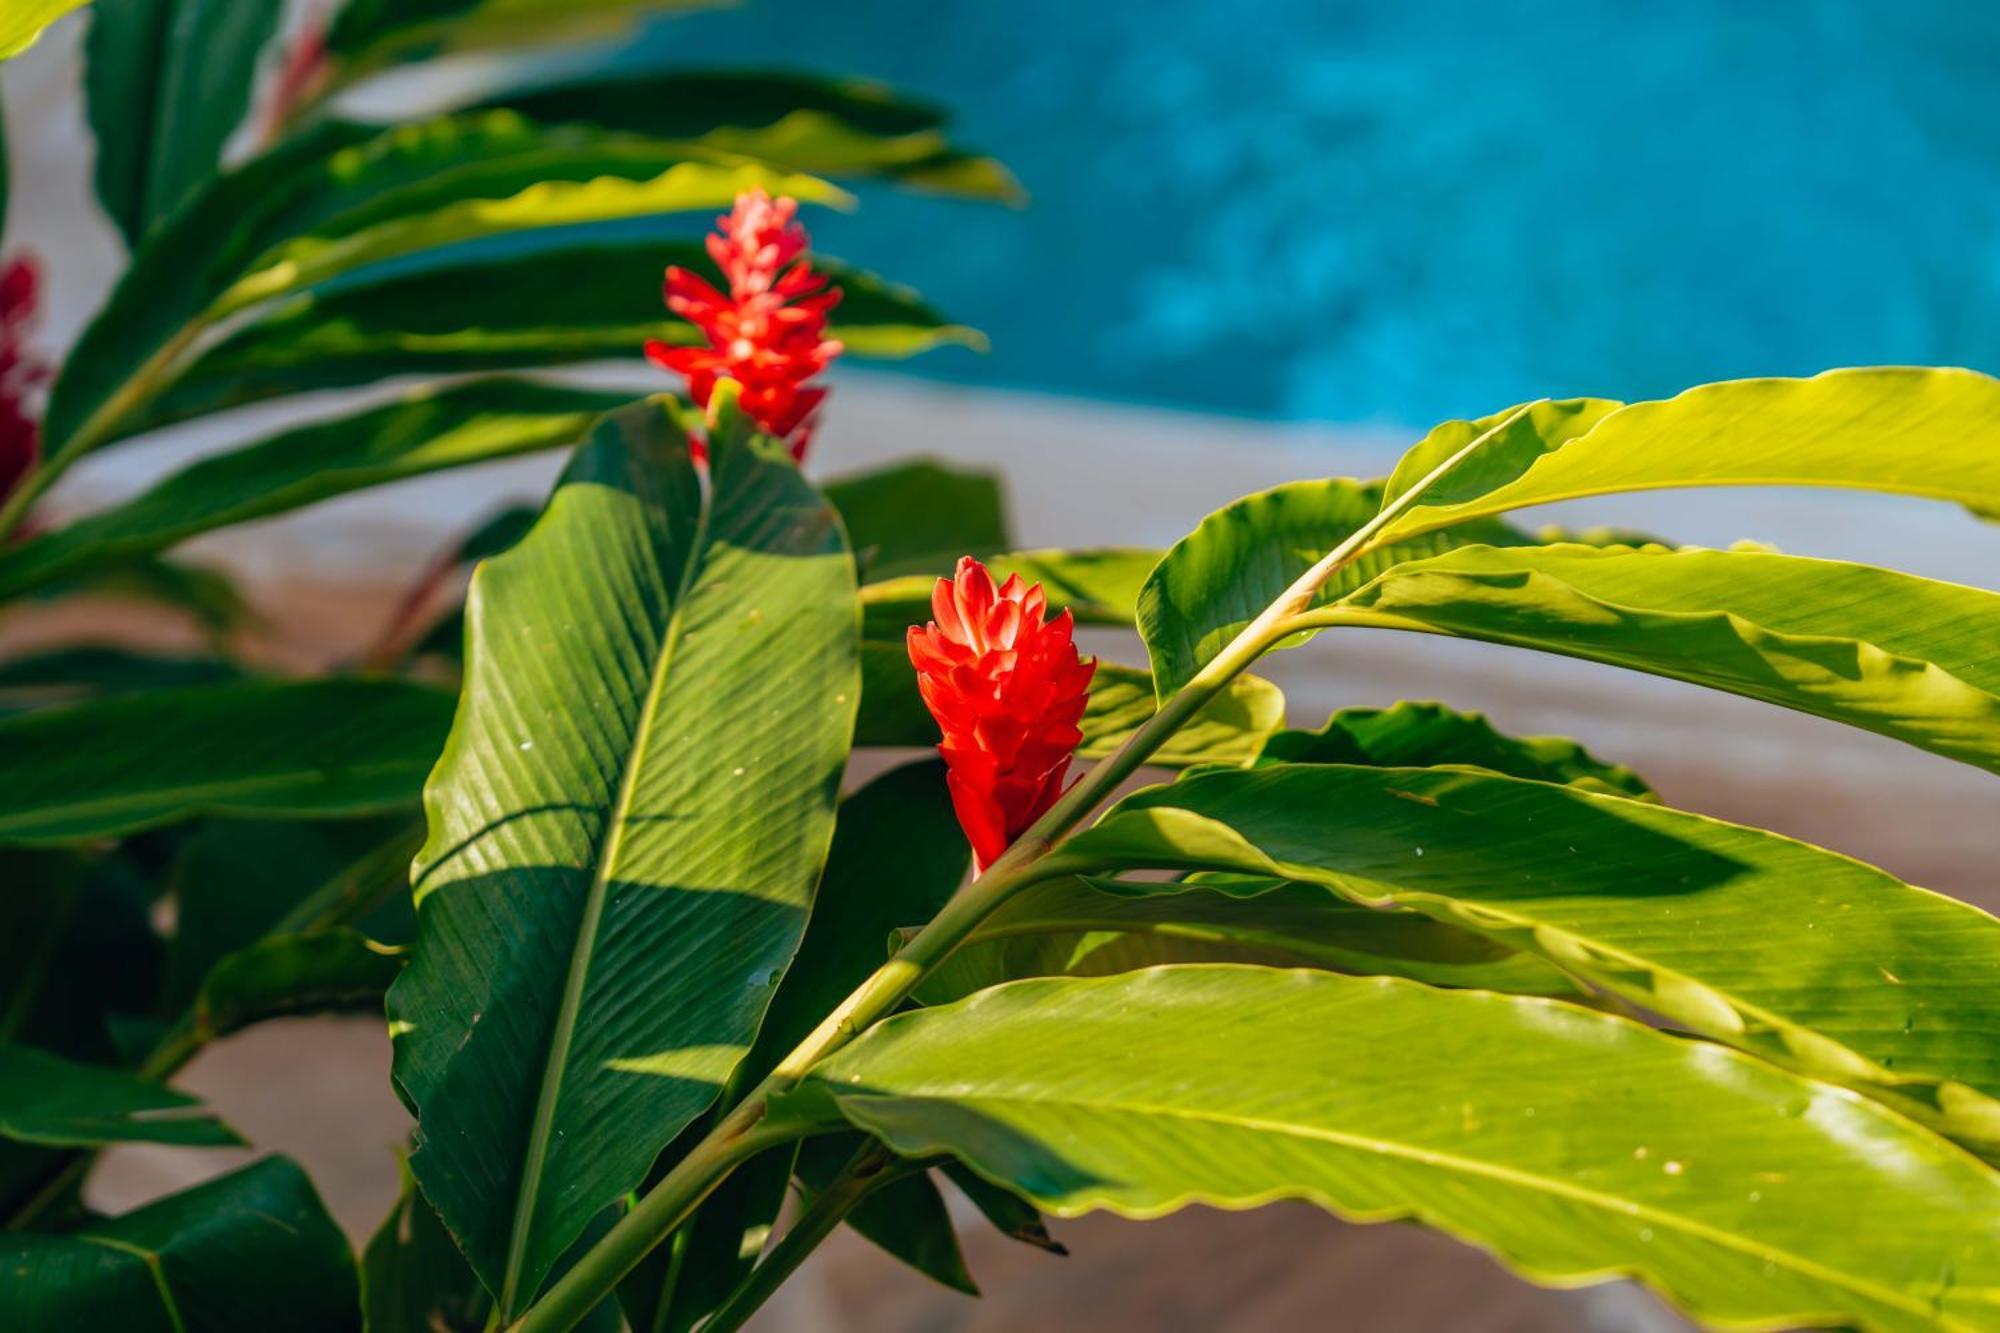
{"x": 769, "y": 333}
{"x": 1007, "y": 689}
{"x": 20, "y": 373}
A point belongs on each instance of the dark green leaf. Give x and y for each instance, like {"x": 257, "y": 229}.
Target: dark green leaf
{"x": 64, "y": 675}
{"x": 514, "y": 301}
{"x": 597, "y": 940}
{"x": 167, "y": 82}
{"x": 920, "y": 516}
{"x": 1797, "y": 954}
{"x": 1078, "y": 927}
{"x": 328, "y": 970}
{"x": 48, "y": 1100}
{"x": 413, "y": 1279}
{"x": 1010, "y": 1215}
{"x": 267, "y": 748}
{"x": 426, "y": 432}
{"x": 1418, "y": 735}
{"x": 1574, "y": 1145}
{"x": 253, "y": 1252}
{"x": 904, "y": 1215}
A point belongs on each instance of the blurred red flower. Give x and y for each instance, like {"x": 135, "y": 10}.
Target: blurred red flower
{"x": 20, "y": 372}
{"x": 768, "y": 333}
{"x": 1007, "y": 689}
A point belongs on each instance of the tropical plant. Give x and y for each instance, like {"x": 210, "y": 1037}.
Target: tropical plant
{"x": 666, "y": 965}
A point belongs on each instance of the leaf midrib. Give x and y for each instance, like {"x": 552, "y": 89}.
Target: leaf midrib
{"x": 1517, "y": 1177}
{"x": 542, "y": 1128}
{"x": 153, "y": 1266}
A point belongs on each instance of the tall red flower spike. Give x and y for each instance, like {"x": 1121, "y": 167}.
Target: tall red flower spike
{"x": 1007, "y": 689}
{"x": 20, "y": 373}
{"x": 769, "y": 333}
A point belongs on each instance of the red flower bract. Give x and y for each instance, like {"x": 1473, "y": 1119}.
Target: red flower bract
{"x": 1007, "y": 689}
{"x": 20, "y": 373}
{"x": 768, "y": 333}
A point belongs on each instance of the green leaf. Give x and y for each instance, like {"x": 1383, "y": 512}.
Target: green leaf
{"x": 77, "y": 952}
{"x": 597, "y": 940}
{"x": 531, "y": 301}
{"x": 425, "y": 432}
{"x": 830, "y": 127}
{"x": 1905, "y": 430}
{"x": 413, "y": 1279}
{"x": 1229, "y": 728}
{"x": 1797, "y": 954}
{"x": 343, "y": 196}
{"x": 1010, "y": 1215}
{"x": 262, "y": 748}
{"x": 62, "y": 675}
{"x": 1241, "y": 558}
{"x": 1096, "y": 927}
{"x": 1574, "y": 1145}
{"x": 328, "y": 970}
{"x": 532, "y": 178}
{"x": 166, "y": 83}
{"x": 1419, "y": 735}
{"x": 206, "y": 596}
{"x": 1908, "y": 657}
{"x": 253, "y": 1251}
{"x": 902, "y": 817}
{"x": 236, "y": 881}
{"x": 48, "y": 1100}
{"x": 369, "y": 33}
{"x": 23, "y": 20}
{"x": 904, "y": 1216}
{"x": 917, "y": 516}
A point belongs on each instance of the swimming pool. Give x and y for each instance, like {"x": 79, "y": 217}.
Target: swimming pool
{"x": 1372, "y": 211}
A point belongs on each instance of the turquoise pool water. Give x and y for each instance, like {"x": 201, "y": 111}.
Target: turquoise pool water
{"x": 1366, "y": 210}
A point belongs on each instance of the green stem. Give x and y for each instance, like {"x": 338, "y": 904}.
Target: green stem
{"x": 680, "y": 1192}
{"x": 868, "y": 1170}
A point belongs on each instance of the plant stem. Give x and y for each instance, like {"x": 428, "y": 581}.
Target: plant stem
{"x": 681, "y": 1191}
{"x": 871, "y": 1167}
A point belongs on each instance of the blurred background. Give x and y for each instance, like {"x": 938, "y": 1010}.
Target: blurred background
{"x": 1272, "y": 239}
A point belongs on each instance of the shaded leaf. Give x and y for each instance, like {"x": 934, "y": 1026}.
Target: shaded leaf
{"x": 904, "y": 1216}
{"x": 425, "y": 432}
{"x": 518, "y": 300}
{"x": 917, "y": 516}
{"x": 62, "y": 675}
{"x": 166, "y": 83}
{"x": 326, "y": 971}
{"x": 267, "y": 748}
{"x": 253, "y": 1251}
{"x": 1797, "y": 954}
{"x": 587, "y": 814}
{"x": 413, "y": 1279}
{"x": 1096, "y": 927}
{"x": 1011, "y": 1216}
{"x": 1417, "y": 735}
{"x": 48, "y": 1100}
{"x": 1708, "y": 1174}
